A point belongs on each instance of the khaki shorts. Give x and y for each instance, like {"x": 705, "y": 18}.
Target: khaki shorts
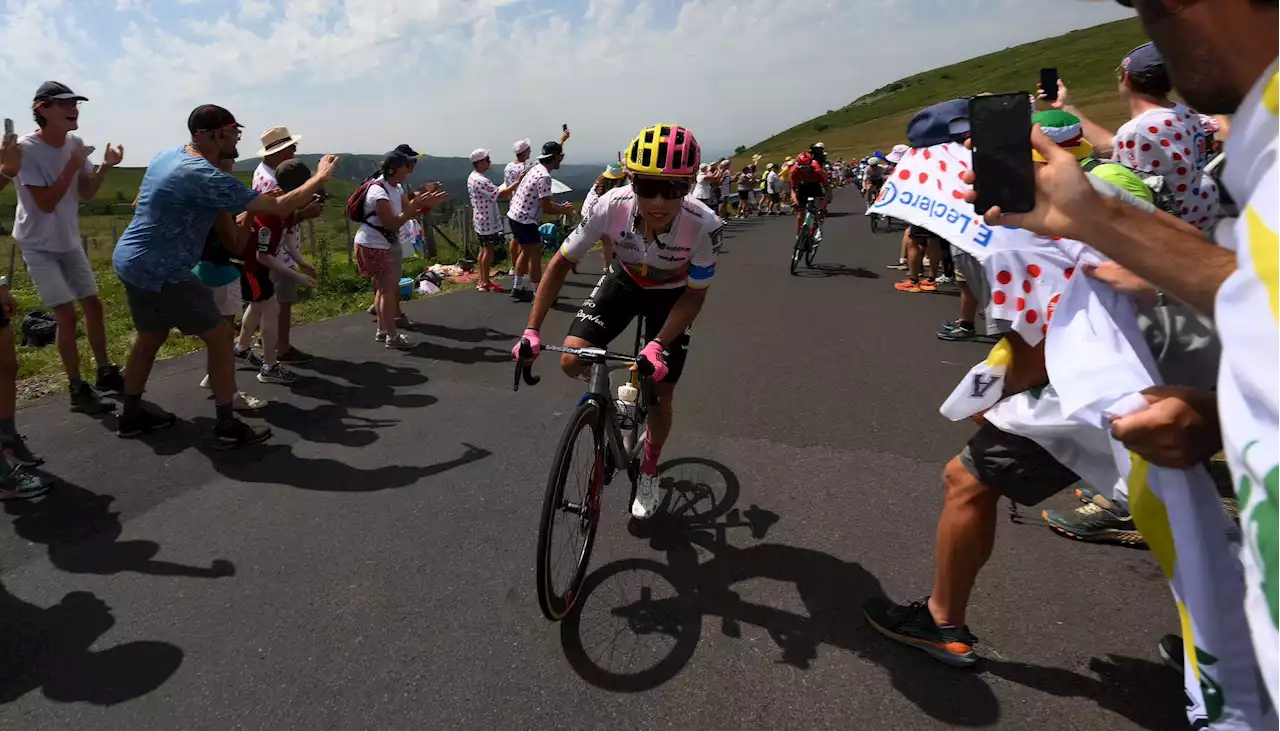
{"x": 227, "y": 299}
{"x": 60, "y": 277}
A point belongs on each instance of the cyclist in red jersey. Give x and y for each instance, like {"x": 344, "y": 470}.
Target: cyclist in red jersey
{"x": 808, "y": 180}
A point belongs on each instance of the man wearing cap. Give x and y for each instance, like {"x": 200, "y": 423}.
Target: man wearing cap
{"x": 485, "y": 216}
{"x": 773, "y": 189}
{"x": 55, "y": 178}
{"x": 182, "y": 196}
{"x": 1163, "y": 137}
{"x": 279, "y": 145}
{"x": 532, "y": 199}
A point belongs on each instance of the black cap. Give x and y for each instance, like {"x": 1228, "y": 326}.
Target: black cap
{"x": 395, "y": 159}
{"x": 292, "y": 174}
{"x": 56, "y": 90}
{"x": 210, "y": 117}
{"x": 550, "y": 150}
{"x": 406, "y": 150}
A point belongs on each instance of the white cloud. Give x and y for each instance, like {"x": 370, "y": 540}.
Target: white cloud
{"x": 451, "y": 75}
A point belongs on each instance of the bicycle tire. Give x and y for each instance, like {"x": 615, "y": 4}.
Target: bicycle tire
{"x": 798, "y": 252}
{"x": 875, "y": 222}
{"x": 555, "y": 606}
{"x": 812, "y": 251}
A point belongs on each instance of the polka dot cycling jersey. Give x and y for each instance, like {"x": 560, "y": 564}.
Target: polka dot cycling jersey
{"x": 684, "y": 255}
{"x": 526, "y": 204}
{"x": 484, "y": 204}
{"x": 1171, "y": 143}
{"x": 514, "y": 170}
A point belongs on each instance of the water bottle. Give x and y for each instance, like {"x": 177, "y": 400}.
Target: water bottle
{"x": 626, "y": 403}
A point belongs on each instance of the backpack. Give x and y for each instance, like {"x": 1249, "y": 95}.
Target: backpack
{"x": 356, "y": 211}
{"x": 39, "y": 328}
{"x": 1162, "y": 195}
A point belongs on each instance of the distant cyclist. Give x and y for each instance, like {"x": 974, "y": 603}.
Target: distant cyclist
{"x": 665, "y": 247}
{"x": 873, "y": 178}
{"x": 819, "y": 152}
{"x": 809, "y": 181}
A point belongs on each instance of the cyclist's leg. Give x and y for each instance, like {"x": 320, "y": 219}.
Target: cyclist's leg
{"x": 657, "y": 305}
{"x": 603, "y": 315}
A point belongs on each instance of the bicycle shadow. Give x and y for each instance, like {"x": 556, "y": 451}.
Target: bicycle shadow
{"x": 656, "y": 611}
{"x": 836, "y": 270}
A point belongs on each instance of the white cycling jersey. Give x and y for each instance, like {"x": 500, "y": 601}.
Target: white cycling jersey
{"x": 684, "y": 255}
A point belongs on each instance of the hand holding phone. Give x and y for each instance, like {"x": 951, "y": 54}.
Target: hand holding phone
{"x": 1049, "y": 84}
{"x": 1000, "y": 129}
{"x": 8, "y": 127}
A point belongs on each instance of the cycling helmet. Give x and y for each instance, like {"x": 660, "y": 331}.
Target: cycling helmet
{"x": 664, "y": 150}
{"x": 817, "y": 146}
{"x": 804, "y": 159}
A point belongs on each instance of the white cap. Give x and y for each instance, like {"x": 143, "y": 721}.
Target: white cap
{"x": 520, "y": 146}
{"x": 479, "y": 154}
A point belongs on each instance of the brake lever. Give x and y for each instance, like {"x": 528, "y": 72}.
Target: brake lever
{"x": 524, "y": 368}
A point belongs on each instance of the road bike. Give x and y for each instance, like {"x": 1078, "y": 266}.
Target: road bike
{"x": 807, "y": 240}
{"x": 610, "y": 437}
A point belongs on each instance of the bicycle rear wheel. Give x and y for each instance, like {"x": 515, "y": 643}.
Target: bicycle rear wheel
{"x": 812, "y": 251}
{"x": 797, "y": 253}
{"x": 570, "y": 518}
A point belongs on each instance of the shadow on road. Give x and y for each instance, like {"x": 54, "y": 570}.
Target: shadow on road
{"x": 462, "y": 335}
{"x": 837, "y": 270}
{"x": 82, "y": 536}
{"x": 49, "y": 650}
{"x": 638, "y": 621}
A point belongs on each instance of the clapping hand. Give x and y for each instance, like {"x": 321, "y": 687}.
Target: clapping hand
{"x": 82, "y": 153}
{"x": 112, "y": 156}
{"x": 327, "y": 166}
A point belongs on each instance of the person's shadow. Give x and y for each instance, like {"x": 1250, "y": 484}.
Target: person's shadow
{"x": 82, "y": 535}
{"x": 656, "y": 611}
{"x": 49, "y": 650}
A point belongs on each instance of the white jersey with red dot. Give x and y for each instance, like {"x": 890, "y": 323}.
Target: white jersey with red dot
{"x": 684, "y": 255}
{"x": 1172, "y": 143}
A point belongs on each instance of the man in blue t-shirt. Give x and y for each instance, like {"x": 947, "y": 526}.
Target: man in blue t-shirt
{"x": 183, "y": 196}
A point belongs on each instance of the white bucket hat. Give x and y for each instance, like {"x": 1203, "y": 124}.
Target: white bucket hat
{"x": 520, "y": 146}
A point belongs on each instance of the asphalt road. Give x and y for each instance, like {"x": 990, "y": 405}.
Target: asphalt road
{"x": 372, "y": 567}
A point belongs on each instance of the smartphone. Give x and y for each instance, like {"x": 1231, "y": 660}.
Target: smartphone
{"x": 8, "y": 127}
{"x": 564, "y": 128}
{"x": 1000, "y": 127}
{"x": 1049, "y": 83}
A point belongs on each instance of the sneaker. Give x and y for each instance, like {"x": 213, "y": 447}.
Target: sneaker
{"x": 496, "y": 288}
{"x": 900, "y": 266}
{"x": 379, "y": 336}
{"x": 403, "y": 321}
{"x": 248, "y": 357}
{"x": 244, "y": 402}
{"x": 21, "y": 484}
{"x": 399, "y": 342}
{"x": 85, "y": 401}
{"x": 16, "y": 451}
{"x": 143, "y": 420}
{"x": 522, "y": 295}
{"x": 955, "y": 332}
{"x": 236, "y": 433}
{"x": 109, "y": 379}
{"x": 646, "y": 503}
{"x": 1172, "y": 652}
{"x": 1097, "y": 521}
{"x": 293, "y": 355}
{"x": 908, "y": 285}
{"x": 912, "y": 624}
{"x": 928, "y": 285}
{"x": 944, "y": 279}
{"x": 276, "y": 374}
{"x": 817, "y": 236}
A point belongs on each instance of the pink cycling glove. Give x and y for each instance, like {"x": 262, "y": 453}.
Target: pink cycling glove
{"x": 535, "y": 343}
{"x": 655, "y": 355}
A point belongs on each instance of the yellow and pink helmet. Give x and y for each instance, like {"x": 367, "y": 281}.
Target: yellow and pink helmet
{"x": 664, "y": 150}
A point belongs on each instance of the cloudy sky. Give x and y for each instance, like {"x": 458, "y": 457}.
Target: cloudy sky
{"x": 451, "y": 75}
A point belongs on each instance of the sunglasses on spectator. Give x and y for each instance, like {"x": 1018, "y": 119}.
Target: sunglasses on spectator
{"x": 665, "y": 188}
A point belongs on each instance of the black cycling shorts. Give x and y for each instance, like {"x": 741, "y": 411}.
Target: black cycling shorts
{"x": 616, "y": 301}
{"x": 805, "y": 191}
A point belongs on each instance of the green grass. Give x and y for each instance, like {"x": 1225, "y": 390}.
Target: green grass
{"x": 1086, "y": 60}
{"x": 341, "y": 290}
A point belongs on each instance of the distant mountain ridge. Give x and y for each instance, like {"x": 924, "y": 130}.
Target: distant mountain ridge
{"x": 452, "y": 172}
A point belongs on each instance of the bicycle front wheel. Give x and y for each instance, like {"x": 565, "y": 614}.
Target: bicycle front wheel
{"x": 812, "y": 251}
{"x": 570, "y": 512}
{"x": 797, "y": 253}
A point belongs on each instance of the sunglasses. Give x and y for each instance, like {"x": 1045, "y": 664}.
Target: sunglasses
{"x": 667, "y": 189}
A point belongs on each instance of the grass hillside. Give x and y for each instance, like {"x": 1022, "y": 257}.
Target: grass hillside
{"x": 1086, "y": 60}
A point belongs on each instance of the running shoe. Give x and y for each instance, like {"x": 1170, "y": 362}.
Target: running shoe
{"x": 379, "y": 336}
{"x": 143, "y": 420}
{"x": 900, "y": 266}
{"x": 1097, "y": 521}
{"x": 235, "y": 433}
{"x": 928, "y": 285}
{"x": 912, "y": 625}
{"x": 908, "y": 285}
{"x": 248, "y": 357}
{"x": 109, "y": 379}
{"x": 522, "y": 295}
{"x": 276, "y": 374}
{"x": 944, "y": 279}
{"x": 647, "y": 497}
{"x": 84, "y": 400}
{"x": 956, "y": 332}
{"x": 16, "y": 451}
{"x": 399, "y": 342}
{"x": 294, "y": 356}
{"x": 243, "y": 402}
{"x": 21, "y": 484}
{"x": 496, "y": 288}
